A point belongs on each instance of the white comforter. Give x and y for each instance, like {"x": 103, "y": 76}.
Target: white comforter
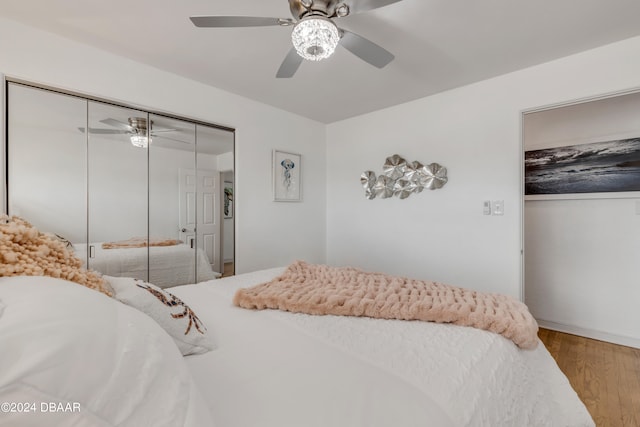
{"x": 168, "y": 265}
{"x": 278, "y": 369}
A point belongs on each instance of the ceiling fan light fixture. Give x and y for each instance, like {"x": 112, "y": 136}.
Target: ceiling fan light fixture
{"x": 140, "y": 141}
{"x": 315, "y": 37}
{"x": 139, "y": 125}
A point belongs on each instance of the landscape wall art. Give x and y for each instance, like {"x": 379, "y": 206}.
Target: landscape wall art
{"x": 599, "y": 167}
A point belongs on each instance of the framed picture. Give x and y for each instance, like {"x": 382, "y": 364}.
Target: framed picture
{"x": 287, "y": 168}
{"x": 228, "y": 199}
{"x": 607, "y": 167}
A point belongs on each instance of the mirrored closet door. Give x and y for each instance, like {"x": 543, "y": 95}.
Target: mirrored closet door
{"x": 136, "y": 194}
{"x": 172, "y": 151}
{"x": 46, "y": 161}
{"x": 117, "y": 192}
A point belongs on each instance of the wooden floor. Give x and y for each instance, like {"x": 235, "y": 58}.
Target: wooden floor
{"x": 605, "y": 376}
{"x": 228, "y": 269}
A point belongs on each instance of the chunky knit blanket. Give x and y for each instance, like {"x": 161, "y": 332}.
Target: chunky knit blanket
{"x": 25, "y": 251}
{"x": 346, "y": 291}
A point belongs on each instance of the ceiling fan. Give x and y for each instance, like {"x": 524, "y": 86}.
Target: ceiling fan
{"x": 136, "y": 129}
{"x": 315, "y": 35}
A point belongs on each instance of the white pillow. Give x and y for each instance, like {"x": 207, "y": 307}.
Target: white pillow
{"x": 175, "y": 317}
{"x": 101, "y": 362}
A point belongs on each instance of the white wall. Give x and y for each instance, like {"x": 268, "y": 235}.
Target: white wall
{"x": 225, "y": 161}
{"x": 475, "y": 131}
{"x": 41, "y": 57}
{"x": 582, "y": 256}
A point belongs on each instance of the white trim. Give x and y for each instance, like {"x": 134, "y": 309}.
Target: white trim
{"x": 581, "y": 100}
{"x": 585, "y": 196}
{"x": 590, "y": 333}
{"x": 3, "y": 143}
{"x": 522, "y": 206}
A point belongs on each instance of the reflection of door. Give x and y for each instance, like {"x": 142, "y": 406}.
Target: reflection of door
{"x": 200, "y": 213}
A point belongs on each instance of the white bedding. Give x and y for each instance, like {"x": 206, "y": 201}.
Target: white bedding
{"x": 105, "y": 363}
{"x": 168, "y": 265}
{"x": 278, "y": 369}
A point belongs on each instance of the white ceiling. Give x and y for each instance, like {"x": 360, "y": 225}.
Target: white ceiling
{"x": 439, "y": 44}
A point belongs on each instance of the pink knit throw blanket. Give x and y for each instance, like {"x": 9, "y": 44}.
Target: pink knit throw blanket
{"x": 140, "y": 242}
{"x": 346, "y": 291}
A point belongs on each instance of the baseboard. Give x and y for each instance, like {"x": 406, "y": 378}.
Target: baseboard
{"x": 590, "y": 333}
{"x": 227, "y": 261}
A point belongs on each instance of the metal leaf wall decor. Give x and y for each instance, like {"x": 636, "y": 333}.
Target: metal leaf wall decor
{"x": 401, "y": 178}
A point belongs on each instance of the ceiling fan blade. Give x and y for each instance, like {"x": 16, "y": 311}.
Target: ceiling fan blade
{"x": 290, "y": 65}
{"x": 98, "y": 131}
{"x": 365, "y": 49}
{"x": 237, "y": 21}
{"x": 119, "y": 125}
{"x": 357, "y": 6}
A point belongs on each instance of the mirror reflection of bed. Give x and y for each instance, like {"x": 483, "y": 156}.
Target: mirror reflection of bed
{"x": 138, "y": 195}
{"x": 170, "y": 264}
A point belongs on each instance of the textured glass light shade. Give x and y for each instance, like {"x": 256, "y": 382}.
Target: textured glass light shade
{"x": 315, "y": 38}
{"x": 139, "y": 141}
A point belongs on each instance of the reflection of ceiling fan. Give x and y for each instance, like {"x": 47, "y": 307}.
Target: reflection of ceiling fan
{"x": 136, "y": 129}
{"x": 315, "y": 35}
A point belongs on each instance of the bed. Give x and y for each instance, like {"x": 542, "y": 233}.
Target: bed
{"x": 266, "y": 368}
{"x": 274, "y": 368}
{"x": 168, "y": 265}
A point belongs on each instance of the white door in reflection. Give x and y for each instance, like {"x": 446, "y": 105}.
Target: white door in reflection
{"x": 200, "y": 223}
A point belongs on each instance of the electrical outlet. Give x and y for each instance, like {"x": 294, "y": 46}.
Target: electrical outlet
{"x": 498, "y": 207}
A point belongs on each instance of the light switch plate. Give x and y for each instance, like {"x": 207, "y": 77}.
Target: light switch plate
{"x": 486, "y": 207}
